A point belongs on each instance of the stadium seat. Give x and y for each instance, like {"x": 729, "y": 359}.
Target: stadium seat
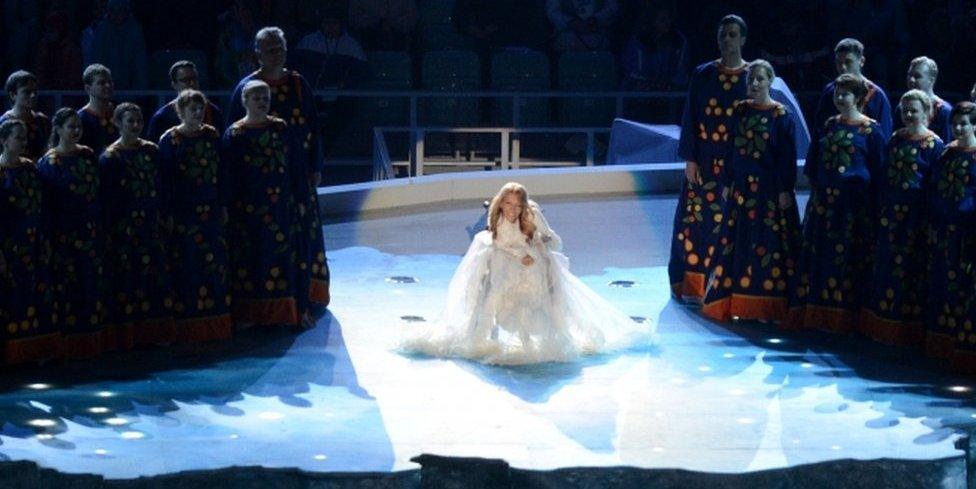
{"x": 449, "y": 71}
{"x": 162, "y": 60}
{"x": 587, "y": 71}
{"x": 389, "y": 70}
{"x": 441, "y": 37}
{"x": 521, "y": 70}
{"x": 435, "y": 12}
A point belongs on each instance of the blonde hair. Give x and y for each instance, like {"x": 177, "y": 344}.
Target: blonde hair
{"x": 929, "y": 63}
{"x": 761, "y": 64}
{"x": 920, "y": 97}
{"x": 253, "y": 86}
{"x": 526, "y": 224}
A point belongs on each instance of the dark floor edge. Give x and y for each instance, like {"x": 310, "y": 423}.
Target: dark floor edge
{"x": 454, "y": 472}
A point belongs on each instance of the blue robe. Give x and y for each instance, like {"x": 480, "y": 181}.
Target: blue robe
{"x": 894, "y": 311}
{"x": 166, "y": 117}
{"x": 875, "y": 105}
{"x": 292, "y": 100}
{"x": 952, "y": 208}
{"x": 72, "y": 211}
{"x": 195, "y": 189}
{"x": 705, "y": 128}
{"x": 38, "y": 132}
{"x": 755, "y": 260}
{"x": 25, "y": 292}
{"x": 844, "y": 167}
{"x": 141, "y": 295}
{"x": 97, "y": 130}
{"x": 264, "y": 225}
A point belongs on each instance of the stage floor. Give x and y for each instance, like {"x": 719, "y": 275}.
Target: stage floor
{"x": 714, "y": 398}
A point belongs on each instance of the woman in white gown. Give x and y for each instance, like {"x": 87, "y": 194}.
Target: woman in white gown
{"x": 513, "y": 299}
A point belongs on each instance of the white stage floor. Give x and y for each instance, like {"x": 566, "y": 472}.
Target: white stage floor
{"x": 339, "y": 398}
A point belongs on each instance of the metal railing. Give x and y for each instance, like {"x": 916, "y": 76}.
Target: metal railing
{"x": 509, "y": 147}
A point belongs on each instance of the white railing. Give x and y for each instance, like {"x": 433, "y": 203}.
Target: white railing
{"x": 509, "y": 148}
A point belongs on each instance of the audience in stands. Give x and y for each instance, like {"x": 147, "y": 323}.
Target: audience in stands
{"x": 234, "y": 57}
{"x": 21, "y": 19}
{"x": 656, "y": 56}
{"x": 581, "y": 24}
{"x": 118, "y": 44}
{"x": 330, "y": 56}
{"x": 58, "y": 57}
{"x": 386, "y": 25}
{"x": 503, "y": 23}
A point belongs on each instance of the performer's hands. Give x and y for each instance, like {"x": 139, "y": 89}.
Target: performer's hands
{"x": 693, "y": 172}
{"x": 785, "y": 200}
{"x": 527, "y": 260}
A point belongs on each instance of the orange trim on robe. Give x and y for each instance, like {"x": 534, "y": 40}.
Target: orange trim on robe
{"x": 939, "y": 345}
{"x": 747, "y": 307}
{"x": 692, "y": 287}
{"x": 83, "y": 346}
{"x": 204, "y": 329}
{"x": 37, "y": 348}
{"x": 109, "y": 339}
{"x": 963, "y": 362}
{"x": 281, "y": 310}
{"x": 830, "y": 319}
{"x": 891, "y": 332}
{"x": 144, "y": 333}
{"x": 318, "y": 292}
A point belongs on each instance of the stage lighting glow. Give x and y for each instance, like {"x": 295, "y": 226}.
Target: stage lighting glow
{"x": 806, "y": 365}
{"x": 728, "y": 355}
{"x": 657, "y": 449}
{"x": 736, "y": 392}
{"x": 835, "y": 447}
{"x": 320, "y": 457}
{"x": 234, "y": 436}
{"x": 101, "y": 451}
{"x": 105, "y": 394}
{"x": 401, "y": 279}
{"x": 132, "y": 435}
{"x": 745, "y": 421}
{"x": 271, "y": 415}
{"x": 38, "y": 386}
{"x": 704, "y": 368}
{"x": 774, "y": 341}
{"x": 42, "y": 423}
{"x": 116, "y": 421}
{"x": 98, "y": 410}
{"x": 45, "y": 436}
{"x": 960, "y": 388}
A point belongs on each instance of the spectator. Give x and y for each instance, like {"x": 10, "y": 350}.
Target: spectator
{"x": 798, "y": 48}
{"x": 502, "y": 23}
{"x": 20, "y": 20}
{"x": 383, "y": 24}
{"x": 330, "y": 57}
{"x": 88, "y": 33}
{"x": 581, "y": 24}
{"x": 118, "y": 44}
{"x": 58, "y": 58}
{"x": 656, "y": 56}
{"x": 234, "y": 58}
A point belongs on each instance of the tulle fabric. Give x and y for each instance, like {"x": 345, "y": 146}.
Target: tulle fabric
{"x": 500, "y": 311}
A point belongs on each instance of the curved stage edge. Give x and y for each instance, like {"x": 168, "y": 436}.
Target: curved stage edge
{"x": 739, "y": 405}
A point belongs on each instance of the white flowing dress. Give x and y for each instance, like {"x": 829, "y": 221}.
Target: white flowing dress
{"x": 501, "y": 311}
